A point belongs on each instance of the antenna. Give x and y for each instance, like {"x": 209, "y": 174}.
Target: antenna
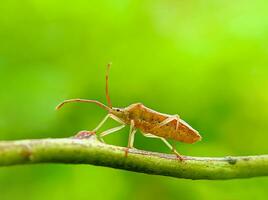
{"x": 107, "y": 86}
{"x": 83, "y": 100}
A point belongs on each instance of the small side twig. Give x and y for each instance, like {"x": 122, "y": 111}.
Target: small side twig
{"x": 89, "y": 150}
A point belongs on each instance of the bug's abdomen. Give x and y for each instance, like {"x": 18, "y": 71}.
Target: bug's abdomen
{"x": 148, "y": 121}
{"x": 182, "y": 134}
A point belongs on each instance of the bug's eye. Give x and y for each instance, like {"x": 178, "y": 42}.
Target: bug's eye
{"x": 117, "y": 110}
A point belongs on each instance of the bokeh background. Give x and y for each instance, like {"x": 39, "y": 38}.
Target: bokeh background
{"x": 205, "y": 60}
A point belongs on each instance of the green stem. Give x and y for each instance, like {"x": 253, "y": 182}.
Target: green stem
{"x": 91, "y": 151}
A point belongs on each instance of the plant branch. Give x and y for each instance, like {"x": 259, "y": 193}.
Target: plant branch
{"x": 89, "y": 150}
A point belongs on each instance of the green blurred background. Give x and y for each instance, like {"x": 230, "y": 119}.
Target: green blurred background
{"x": 205, "y": 60}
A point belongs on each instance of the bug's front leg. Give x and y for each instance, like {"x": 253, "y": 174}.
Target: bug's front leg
{"x": 131, "y": 137}
{"x": 109, "y": 131}
{"x": 105, "y": 119}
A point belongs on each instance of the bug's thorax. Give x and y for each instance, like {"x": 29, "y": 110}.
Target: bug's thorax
{"x": 133, "y": 112}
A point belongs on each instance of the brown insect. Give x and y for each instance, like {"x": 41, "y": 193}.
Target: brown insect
{"x": 152, "y": 124}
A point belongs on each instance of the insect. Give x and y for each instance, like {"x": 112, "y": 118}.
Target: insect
{"x": 151, "y": 123}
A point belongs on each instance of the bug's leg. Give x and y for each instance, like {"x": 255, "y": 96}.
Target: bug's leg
{"x": 131, "y": 137}
{"x": 109, "y": 131}
{"x": 116, "y": 119}
{"x": 166, "y": 142}
{"x": 169, "y": 119}
{"x": 102, "y": 122}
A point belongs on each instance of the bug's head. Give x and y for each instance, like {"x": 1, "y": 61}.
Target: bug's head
{"x": 119, "y": 112}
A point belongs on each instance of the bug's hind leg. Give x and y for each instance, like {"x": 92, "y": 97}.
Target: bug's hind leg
{"x": 131, "y": 137}
{"x": 166, "y": 142}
